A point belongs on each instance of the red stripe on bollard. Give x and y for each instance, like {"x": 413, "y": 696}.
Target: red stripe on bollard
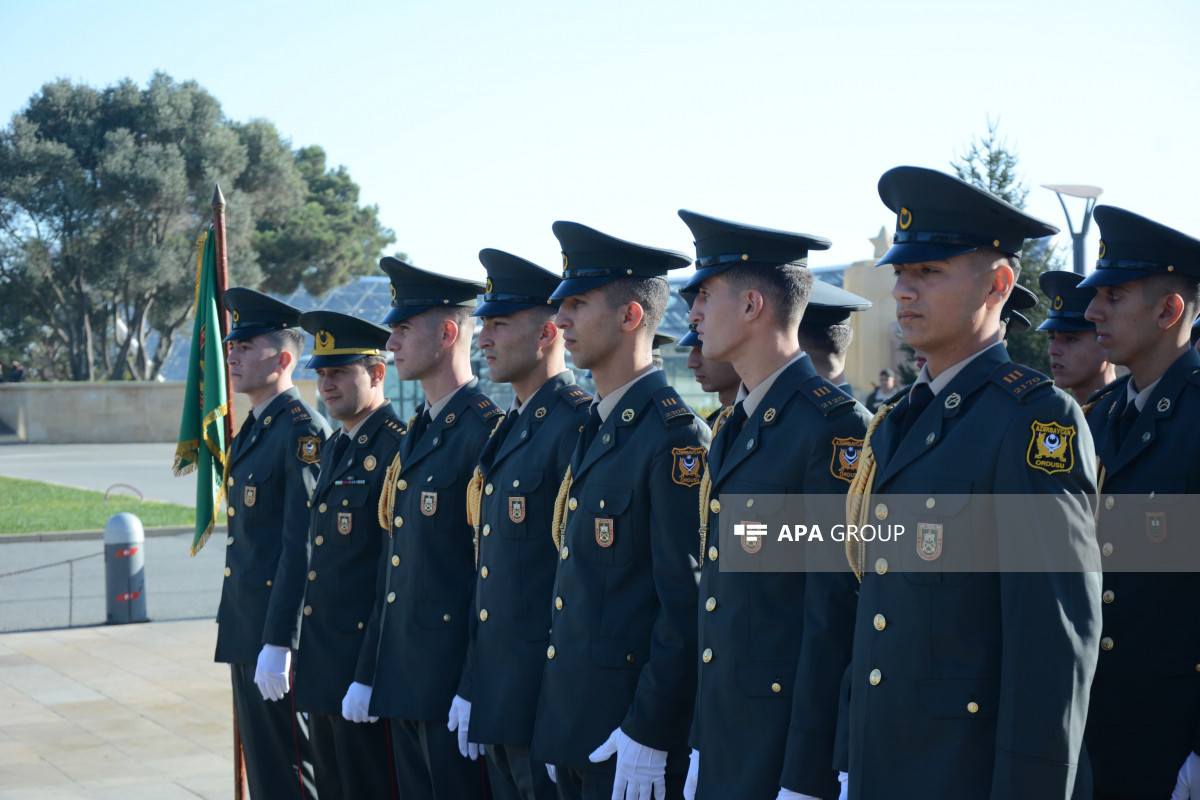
{"x": 125, "y": 597}
{"x": 126, "y": 552}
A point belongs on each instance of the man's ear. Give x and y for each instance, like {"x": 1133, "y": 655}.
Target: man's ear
{"x": 378, "y": 373}
{"x": 753, "y": 304}
{"x": 1002, "y": 282}
{"x": 632, "y": 315}
{"x": 548, "y": 334}
{"x": 1170, "y": 310}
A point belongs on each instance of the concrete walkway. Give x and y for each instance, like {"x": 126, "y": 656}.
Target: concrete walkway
{"x": 126, "y": 711}
{"x": 145, "y": 467}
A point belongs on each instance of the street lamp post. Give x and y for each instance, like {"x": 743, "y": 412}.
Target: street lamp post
{"x": 1089, "y": 194}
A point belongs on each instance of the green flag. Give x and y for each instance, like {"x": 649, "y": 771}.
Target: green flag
{"x": 205, "y": 404}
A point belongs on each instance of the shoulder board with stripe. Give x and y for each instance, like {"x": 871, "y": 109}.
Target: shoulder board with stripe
{"x": 671, "y": 406}
{"x": 574, "y": 395}
{"x": 484, "y": 407}
{"x": 393, "y": 426}
{"x": 1018, "y": 380}
{"x": 824, "y": 395}
{"x": 299, "y": 412}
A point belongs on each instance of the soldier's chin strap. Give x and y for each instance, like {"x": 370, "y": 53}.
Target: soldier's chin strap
{"x": 858, "y": 498}
{"x": 706, "y": 484}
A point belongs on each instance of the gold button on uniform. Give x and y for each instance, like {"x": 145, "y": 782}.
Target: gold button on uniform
{"x": 714, "y": 506}
{"x": 881, "y": 511}
{"x": 399, "y": 521}
{"x": 1109, "y": 502}
{"x": 320, "y": 540}
{"x": 550, "y": 651}
{"x": 881, "y": 566}
{"x": 488, "y": 489}
{"x": 487, "y": 529}
{"x": 706, "y": 656}
{"x": 565, "y": 552}
{"x": 712, "y": 554}
{"x": 930, "y": 502}
{"x": 345, "y": 502}
{"x": 402, "y": 484}
{"x": 880, "y": 622}
{"x": 1109, "y": 596}
{"x": 269, "y": 583}
{"x": 483, "y": 572}
{"x": 483, "y": 615}
{"x": 629, "y": 657}
{"x": 876, "y": 677}
{"x": 228, "y": 541}
{"x": 558, "y": 603}
{"x": 322, "y": 508}
{"x": 602, "y": 504}
{"x": 395, "y": 561}
{"x": 973, "y": 707}
{"x": 232, "y": 511}
{"x": 1107, "y": 549}
{"x": 308, "y": 611}
{"x": 775, "y": 687}
{"x": 572, "y": 504}
{"x": 391, "y": 598}
{"x": 445, "y": 617}
{"x": 710, "y": 604}
{"x": 312, "y": 576}
{"x": 1106, "y": 643}
{"x": 231, "y": 480}
{"x": 516, "y": 484}
{"x": 228, "y": 572}
{"x": 361, "y": 626}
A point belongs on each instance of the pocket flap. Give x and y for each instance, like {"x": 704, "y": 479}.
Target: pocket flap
{"x": 766, "y": 678}
{"x": 949, "y": 699}
{"x": 606, "y": 500}
{"x": 618, "y": 653}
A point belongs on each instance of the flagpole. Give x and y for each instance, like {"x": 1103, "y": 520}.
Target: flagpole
{"x": 218, "y": 207}
{"x": 222, "y": 259}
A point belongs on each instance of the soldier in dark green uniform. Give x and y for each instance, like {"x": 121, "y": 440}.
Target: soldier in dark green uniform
{"x": 970, "y": 684}
{"x": 1143, "y": 729}
{"x": 428, "y": 570}
{"x": 619, "y": 679}
{"x": 351, "y": 754}
{"x": 787, "y": 434}
{"x": 514, "y": 491}
{"x": 272, "y": 469}
{"x": 1077, "y": 361}
{"x": 825, "y": 333}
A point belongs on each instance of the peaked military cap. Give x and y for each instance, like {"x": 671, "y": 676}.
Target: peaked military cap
{"x": 720, "y": 244}
{"x": 661, "y": 340}
{"x": 592, "y": 259}
{"x": 939, "y": 216}
{"x": 513, "y": 284}
{"x": 415, "y": 290}
{"x": 691, "y": 338}
{"x": 1133, "y": 247}
{"x": 341, "y": 338}
{"x": 1068, "y": 302}
{"x": 831, "y": 305}
{"x": 1018, "y": 300}
{"x": 255, "y": 313}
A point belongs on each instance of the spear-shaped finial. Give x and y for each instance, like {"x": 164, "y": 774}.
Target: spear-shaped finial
{"x": 218, "y": 198}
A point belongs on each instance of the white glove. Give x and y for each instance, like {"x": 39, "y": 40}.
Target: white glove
{"x": 1188, "y": 784}
{"x": 788, "y": 794}
{"x": 356, "y": 702}
{"x": 639, "y": 768}
{"x": 844, "y": 779}
{"x": 693, "y": 775}
{"x": 271, "y": 674}
{"x": 460, "y": 720}
{"x": 553, "y": 773}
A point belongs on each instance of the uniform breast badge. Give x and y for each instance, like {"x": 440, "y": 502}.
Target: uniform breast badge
{"x": 250, "y": 496}
{"x": 1051, "y": 447}
{"x": 516, "y": 509}
{"x": 929, "y": 540}
{"x": 345, "y": 522}
{"x": 309, "y": 449}
{"x": 1156, "y": 526}
{"x": 687, "y": 465}
{"x": 844, "y": 463}
{"x": 429, "y": 503}
{"x": 604, "y": 532}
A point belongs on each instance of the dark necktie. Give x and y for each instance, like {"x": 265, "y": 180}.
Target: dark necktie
{"x": 1125, "y": 423}
{"x": 723, "y": 438}
{"x": 509, "y": 421}
{"x": 588, "y": 434}
{"x": 918, "y": 398}
{"x": 339, "y": 447}
{"x": 244, "y": 432}
{"x": 419, "y": 426}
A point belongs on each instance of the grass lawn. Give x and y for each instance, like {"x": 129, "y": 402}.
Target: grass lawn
{"x": 35, "y": 507}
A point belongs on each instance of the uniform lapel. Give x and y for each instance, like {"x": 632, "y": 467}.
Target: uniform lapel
{"x": 1159, "y": 406}
{"x": 749, "y": 439}
{"x": 274, "y": 408}
{"x": 351, "y": 460}
{"x": 531, "y": 419}
{"x": 435, "y": 434}
{"x": 627, "y": 412}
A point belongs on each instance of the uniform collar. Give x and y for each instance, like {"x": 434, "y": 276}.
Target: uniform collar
{"x": 436, "y": 409}
{"x": 950, "y": 373}
{"x": 754, "y": 396}
{"x": 605, "y": 405}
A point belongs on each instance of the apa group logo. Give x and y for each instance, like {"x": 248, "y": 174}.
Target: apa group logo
{"x": 751, "y": 534}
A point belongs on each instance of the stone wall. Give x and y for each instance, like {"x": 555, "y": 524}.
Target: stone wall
{"x": 103, "y": 412}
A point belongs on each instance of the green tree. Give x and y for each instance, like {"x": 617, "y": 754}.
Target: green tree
{"x": 991, "y": 164}
{"x": 102, "y": 196}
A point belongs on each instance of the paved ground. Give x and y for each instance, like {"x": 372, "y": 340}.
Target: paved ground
{"x": 146, "y": 467}
{"x": 123, "y": 711}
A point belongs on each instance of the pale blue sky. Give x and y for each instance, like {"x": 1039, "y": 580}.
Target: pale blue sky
{"x": 477, "y": 124}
